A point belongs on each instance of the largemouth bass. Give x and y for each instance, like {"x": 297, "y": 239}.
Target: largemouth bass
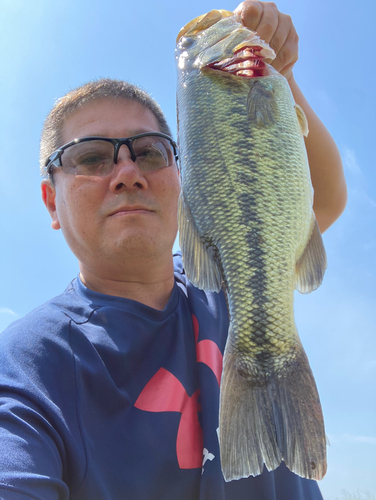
{"x": 246, "y": 224}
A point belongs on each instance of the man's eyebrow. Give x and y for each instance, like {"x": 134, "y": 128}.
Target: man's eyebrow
{"x": 142, "y": 131}
{"x": 131, "y": 133}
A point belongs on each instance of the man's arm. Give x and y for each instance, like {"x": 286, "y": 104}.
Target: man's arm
{"x": 38, "y": 417}
{"x": 328, "y": 180}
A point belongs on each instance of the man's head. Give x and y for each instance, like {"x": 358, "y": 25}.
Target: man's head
{"x": 127, "y": 217}
{"x": 104, "y": 88}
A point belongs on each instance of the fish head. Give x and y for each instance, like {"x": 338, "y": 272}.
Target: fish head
{"x": 219, "y": 41}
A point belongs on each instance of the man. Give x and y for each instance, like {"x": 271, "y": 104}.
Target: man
{"x": 110, "y": 390}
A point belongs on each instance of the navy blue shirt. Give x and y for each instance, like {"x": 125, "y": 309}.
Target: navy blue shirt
{"x": 106, "y": 398}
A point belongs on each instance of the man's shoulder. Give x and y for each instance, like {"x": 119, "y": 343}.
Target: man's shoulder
{"x": 50, "y": 319}
{"x": 37, "y": 354}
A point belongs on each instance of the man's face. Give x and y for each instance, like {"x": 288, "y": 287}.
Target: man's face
{"x": 124, "y": 216}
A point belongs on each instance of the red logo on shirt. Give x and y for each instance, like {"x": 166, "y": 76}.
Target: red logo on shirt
{"x": 164, "y": 392}
{"x": 208, "y": 352}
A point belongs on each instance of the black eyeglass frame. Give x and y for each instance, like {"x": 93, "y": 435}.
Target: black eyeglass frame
{"x": 54, "y": 160}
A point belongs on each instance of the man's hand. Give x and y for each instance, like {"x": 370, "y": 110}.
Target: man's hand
{"x": 275, "y": 28}
{"x": 324, "y": 159}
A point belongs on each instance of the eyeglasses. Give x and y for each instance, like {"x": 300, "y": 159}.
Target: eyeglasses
{"x": 98, "y": 155}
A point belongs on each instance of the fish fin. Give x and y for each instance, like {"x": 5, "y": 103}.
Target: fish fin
{"x": 280, "y": 419}
{"x": 200, "y": 23}
{"x": 261, "y": 104}
{"x": 298, "y": 415}
{"x": 310, "y": 268}
{"x": 198, "y": 255}
{"x": 246, "y": 430}
{"x": 302, "y": 119}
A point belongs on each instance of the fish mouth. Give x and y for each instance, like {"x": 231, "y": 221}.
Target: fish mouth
{"x": 221, "y": 34}
{"x": 247, "y": 62}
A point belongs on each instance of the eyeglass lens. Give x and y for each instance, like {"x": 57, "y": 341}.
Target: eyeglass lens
{"x": 96, "y": 157}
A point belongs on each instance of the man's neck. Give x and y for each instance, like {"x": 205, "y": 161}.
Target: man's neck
{"x": 151, "y": 287}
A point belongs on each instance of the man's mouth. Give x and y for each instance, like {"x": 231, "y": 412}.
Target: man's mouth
{"x": 129, "y": 210}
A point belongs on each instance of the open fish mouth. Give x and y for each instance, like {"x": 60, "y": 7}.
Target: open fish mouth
{"x": 247, "y": 62}
{"x": 219, "y": 41}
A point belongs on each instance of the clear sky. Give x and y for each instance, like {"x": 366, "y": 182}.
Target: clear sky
{"x": 47, "y": 48}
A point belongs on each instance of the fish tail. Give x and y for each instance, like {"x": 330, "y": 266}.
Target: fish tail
{"x": 267, "y": 423}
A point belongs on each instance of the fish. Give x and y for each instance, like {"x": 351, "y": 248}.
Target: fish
{"x": 247, "y": 226}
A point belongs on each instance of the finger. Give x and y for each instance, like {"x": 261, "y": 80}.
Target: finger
{"x": 269, "y": 21}
{"x": 281, "y": 34}
{"x": 288, "y": 54}
{"x": 275, "y": 28}
{"x": 250, "y": 12}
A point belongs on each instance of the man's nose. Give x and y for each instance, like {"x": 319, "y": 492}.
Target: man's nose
{"x": 126, "y": 173}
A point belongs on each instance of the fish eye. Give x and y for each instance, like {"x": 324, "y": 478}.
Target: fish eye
{"x": 186, "y": 42}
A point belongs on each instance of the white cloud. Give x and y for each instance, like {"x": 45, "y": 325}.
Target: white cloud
{"x": 361, "y": 197}
{"x": 350, "y": 161}
{"x": 326, "y": 101}
{"x": 369, "y": 200}
{"x": 357, "y": 496}
{"x": 6, "y": 310}
{"x": 351, "y": 438}
{"x": 358, "y": 186}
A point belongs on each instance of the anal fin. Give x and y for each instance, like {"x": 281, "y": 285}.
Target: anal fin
{"x": 310, "y": 269}
{"x": 198, "y": 254}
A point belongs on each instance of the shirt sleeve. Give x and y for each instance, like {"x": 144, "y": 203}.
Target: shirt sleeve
{"x": 30, "y": 452}
{"x": 34, "y": 371}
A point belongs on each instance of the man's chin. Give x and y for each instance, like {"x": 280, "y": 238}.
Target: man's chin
{"x": 140, "y": 246}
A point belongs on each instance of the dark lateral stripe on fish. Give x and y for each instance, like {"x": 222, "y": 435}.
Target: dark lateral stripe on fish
{"x": 257, "y": 282}
{"x": 245, "y": 178}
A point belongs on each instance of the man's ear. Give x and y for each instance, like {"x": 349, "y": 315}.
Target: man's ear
{"x": 49, "y": 199}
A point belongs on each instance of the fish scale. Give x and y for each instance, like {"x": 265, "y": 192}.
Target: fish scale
{"x": 244, "y": 266}
{"x": 246, "y": 223}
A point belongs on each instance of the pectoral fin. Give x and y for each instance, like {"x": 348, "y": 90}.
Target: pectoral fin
{"x": 310, "y": 268}
{"x": 302, "y": 119}
{"x": 198, "y": 254}
{"x": 261, "y": 104}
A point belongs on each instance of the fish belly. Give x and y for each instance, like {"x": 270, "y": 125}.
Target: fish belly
{"x": 246, "y": 217}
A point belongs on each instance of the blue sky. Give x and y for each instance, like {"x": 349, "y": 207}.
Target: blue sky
{"x": 47, "y": 48}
